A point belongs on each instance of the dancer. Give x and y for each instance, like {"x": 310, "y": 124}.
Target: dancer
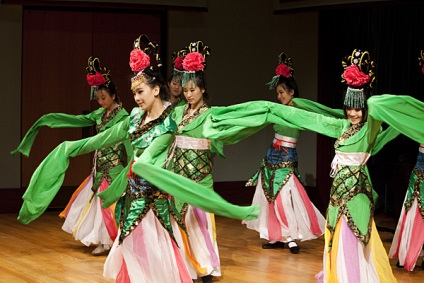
{"x": 145, "y": 249}
{"x": 353, "y": 249}
{"x": 85, "y": 219}
{"x": 408, "y": 240}
{"x": 174, "y": 80}
{"x": 287, "y": 214}
{"x": 191, "y": 156}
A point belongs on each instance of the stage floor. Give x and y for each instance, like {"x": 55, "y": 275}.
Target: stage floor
{"x": 42, "y": 252}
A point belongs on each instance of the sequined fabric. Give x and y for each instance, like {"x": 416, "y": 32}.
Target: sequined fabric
{"x": 353, "y": 129}
{"x": 194, "y": 164}
{"x": 416, "y": 185}
{"x": 347, "y": 184}
{"x": 139, "y": 198}
{"x": 279, "y": 162}
{"x": 109, "y": 157}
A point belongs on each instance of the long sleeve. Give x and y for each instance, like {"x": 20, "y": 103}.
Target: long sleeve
{"x": 193, "y": 193}
{"x": 404, "y": 113}
{"x": 259, "y": 113}
{"x": 56, "y": 120}
{"x": 49, "y": 175}
{"x": 316, "y": 107}
{"x": 383, "y": 138}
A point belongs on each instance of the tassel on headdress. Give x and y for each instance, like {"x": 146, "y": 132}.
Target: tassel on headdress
{"x": 358, "y": 73}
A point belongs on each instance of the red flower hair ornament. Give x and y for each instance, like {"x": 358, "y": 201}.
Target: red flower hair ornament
{"x": 194, "y": 61}
{"x": 283, "y": 70}
{"x": 178, "y": 63}
{"x": 422, "y": 68}
{"x": 95, "y": 80}
{"x": 354, "y": 77}
{"x": 139, "y": 60}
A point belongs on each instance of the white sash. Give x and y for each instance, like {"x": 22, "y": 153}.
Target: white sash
{"x": 348, "y": 159}
{"x": 285, "y": 141}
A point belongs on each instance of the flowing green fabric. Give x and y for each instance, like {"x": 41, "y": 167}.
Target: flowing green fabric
{"x": 49, "y": 175}
{"x": 316, "y": 107}
{"x": 202, "y": 127}
{"x": 396, "y": 111}
{"x": 60, "y": 120}
{"x": 192, "y": 192}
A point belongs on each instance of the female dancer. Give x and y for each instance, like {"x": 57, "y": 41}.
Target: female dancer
{"x": 145, "y": 249}
{"x": 191, "y": 157}
{"x": 174, "y": 80}
{"x": 287, "y": 214}
{"x": 85, "y": 219}
{"x": 353, "y": 249}
{"x": 408, "y": 241}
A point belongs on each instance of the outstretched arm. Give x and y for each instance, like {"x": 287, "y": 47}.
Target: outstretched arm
{"x": 49, "y": 175}
{"x": 404, "y": 113}
{"x": 55, "y": 120}
{"x": 259, "y": 113}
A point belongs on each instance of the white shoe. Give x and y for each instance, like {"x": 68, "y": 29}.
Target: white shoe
{"x": 101, "y": 250}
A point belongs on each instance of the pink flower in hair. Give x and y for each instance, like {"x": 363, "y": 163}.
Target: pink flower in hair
{"x": 95, "y": 80}
{"x": 354, "y": 77}
{"x": 139, "y": 60}
{"x": 422, "y": 68}
{"x": 194, "y": 61}
{"x": 178, "y": 63}
{"x": 283, "y": 70}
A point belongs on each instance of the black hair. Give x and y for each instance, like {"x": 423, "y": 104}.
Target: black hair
{"x": 111, "y": 89}
{"x": 201, "y": 83}
{"x": 153, "y": 77}
{"x": 288, "y": 84}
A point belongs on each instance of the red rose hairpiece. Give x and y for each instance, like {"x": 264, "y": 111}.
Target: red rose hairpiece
{"x": 194, "y": 61}
{"x": 178, "y": 63}
{"x": 354, "y": 77}
{"x": 96, "y": 75}
{"x": 139, "y": 60}
{"x": 283, "y": 70}
{"x": 95, "y": 80}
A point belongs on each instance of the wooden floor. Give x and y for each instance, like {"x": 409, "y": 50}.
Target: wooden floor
{"x": 42, "y": 252}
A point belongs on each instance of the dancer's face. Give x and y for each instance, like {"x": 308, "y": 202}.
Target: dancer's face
{"x": 193, "y": 95}
{"x": 105, "y": 100}
{"x": 175, "y": 88}
{"x": 354, "y": 115}
{"x": 146, "y": 96}
{"x": 284, "y": 95}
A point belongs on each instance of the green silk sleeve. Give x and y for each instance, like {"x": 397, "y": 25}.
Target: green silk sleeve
{"x": 56, "y": 120}
{"x": 383, "y": 138}
{"x": 316, "y": 107}
{"x": 49, "y": 175}
{"x": 193, "y": 193}
{"x": 404, "y": 113}
{"x": 259, "y": 113}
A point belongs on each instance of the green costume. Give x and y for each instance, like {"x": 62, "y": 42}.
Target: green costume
{"x": 351, "y": 192}
{"x": 151, "y": 143}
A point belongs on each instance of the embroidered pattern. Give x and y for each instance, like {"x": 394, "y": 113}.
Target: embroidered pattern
{"x": 348, "y": 183}
{"x": 353, "y": 129}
